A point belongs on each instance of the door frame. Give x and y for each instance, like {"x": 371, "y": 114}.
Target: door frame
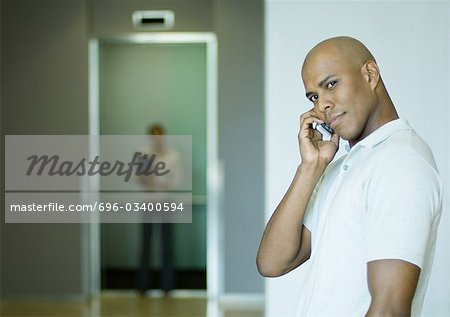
{"x": 214, "y": 230}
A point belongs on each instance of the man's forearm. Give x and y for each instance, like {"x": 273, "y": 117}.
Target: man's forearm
{"x": 281, "y": 246}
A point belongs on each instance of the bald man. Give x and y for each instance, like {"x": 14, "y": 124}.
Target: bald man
{"x": 367, "y": 221}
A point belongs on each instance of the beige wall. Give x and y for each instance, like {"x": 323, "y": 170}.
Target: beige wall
{"x": 44, "y": 91}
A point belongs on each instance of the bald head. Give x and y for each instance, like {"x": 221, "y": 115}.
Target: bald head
{"x": 342, "y": 80}
{"x": 343, "y": 49}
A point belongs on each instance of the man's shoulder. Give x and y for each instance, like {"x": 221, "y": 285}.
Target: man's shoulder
{"x": 406, "y": 159}
{"x": 405, "y": 147}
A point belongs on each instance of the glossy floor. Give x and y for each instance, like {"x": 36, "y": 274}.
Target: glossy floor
{"x": 130, "y": 305}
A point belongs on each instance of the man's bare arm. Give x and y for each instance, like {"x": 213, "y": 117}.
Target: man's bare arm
{"x": 392, "y": 284}
{"x": 286, "y": 243}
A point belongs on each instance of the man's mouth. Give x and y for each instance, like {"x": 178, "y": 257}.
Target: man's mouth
{"x": 335, "y": 119}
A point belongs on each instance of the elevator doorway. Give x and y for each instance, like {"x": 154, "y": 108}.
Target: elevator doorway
{"x": 166, "y": 78}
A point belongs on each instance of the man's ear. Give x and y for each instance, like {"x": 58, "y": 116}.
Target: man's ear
{"x": 371, "y": 73}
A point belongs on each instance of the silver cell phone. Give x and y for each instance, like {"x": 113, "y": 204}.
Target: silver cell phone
{"x": 324, "y": 129}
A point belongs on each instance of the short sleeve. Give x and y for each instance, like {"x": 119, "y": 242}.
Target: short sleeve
{"x": 403, "y": 209}
{"x": 312, "y": 213}
{"x": 319, "y": 195}
{"x": 310, "y": 219}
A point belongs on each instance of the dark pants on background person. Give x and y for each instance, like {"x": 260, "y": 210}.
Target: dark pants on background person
{"x": 167, "y": 267}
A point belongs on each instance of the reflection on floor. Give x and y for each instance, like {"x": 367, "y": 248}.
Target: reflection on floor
{"x": 132, "y": 305}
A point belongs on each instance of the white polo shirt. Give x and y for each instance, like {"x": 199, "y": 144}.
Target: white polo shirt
{"x": 382, "y": 200}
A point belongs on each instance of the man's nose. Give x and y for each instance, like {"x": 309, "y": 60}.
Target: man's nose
{"x": 324, "y": 105}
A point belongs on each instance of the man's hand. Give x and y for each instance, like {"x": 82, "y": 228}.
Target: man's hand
{"x": 313, "y": 150}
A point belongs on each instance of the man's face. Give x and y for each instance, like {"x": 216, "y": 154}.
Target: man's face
{"x": 341, "y": 94}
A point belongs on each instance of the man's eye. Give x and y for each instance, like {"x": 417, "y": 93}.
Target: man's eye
{"x": 313, "y": 98}
{"x": 331, "y": 84}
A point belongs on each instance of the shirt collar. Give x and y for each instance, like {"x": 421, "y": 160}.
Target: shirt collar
{"x": 382, "y": 133}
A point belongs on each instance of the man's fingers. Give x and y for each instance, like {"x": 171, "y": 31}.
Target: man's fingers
{"x": 306, "y": 121}
{"x": 310, "y": 114}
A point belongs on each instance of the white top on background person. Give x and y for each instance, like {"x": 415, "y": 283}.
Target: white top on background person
{"x": 161, "y": 152}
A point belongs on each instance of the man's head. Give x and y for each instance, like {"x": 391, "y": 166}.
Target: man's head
{"x": 342, "y": 79}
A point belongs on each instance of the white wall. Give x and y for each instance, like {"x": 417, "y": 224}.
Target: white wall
{"x": 410, "y": 41}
